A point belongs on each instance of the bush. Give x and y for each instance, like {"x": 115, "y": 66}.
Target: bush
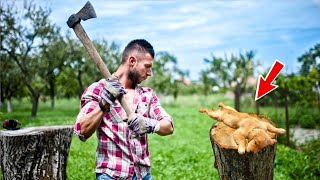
{"x": 294, "y": 116}
{"x": 307, "y": 121}
{"x": 317, "y": 118}
{"x": 312, "y": 148}
{"x": 296, "y": 165}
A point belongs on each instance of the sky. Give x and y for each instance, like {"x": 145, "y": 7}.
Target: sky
{"x": 194, "y": 30}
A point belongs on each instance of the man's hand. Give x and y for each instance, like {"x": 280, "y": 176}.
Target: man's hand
{"x": 141, "y": 125}
{"x": 112, "y": 90}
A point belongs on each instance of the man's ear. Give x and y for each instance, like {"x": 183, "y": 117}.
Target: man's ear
{"x": 132, "y": 61}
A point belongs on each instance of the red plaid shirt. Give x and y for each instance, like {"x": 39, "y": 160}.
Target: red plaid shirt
{"x": 119, "y": 155}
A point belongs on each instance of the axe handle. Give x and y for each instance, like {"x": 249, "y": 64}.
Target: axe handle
{"x": 82, "y": 35}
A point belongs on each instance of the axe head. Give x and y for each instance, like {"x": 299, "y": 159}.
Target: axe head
{"x": 87, "y": 12}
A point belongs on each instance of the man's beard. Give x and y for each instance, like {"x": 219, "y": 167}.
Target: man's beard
{"x": 134, "y": 77}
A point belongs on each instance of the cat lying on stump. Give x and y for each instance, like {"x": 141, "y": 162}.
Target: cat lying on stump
{"x": 246, "y": 132}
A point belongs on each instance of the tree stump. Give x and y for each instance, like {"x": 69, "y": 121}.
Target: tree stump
{"x": 35, "y": 153}
{"x": 233, "y": 166}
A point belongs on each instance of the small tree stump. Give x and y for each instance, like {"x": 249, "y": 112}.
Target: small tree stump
{"x": 35, "y": 153}
{"x": 233, "y": 166}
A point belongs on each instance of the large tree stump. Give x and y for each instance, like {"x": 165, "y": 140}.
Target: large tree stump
{"x": 35, "y": 153}
{"x": 231, "y": 165}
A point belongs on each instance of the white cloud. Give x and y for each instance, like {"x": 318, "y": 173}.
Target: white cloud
{"x": 192, "y": 30}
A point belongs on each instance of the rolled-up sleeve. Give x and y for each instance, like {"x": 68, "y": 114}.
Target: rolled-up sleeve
{"x": 157, "y": 111}
{"x": 77, "y": 130}
{"x": 89, "y": 100}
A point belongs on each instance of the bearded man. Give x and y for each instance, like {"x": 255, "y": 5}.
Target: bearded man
{"x": 122, "y": 151}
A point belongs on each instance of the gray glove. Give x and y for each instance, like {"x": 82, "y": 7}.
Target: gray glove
{"x": 141, "y": 125}
{"x": 112, "y": 90}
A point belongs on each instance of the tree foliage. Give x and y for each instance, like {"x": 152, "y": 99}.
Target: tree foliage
{"x": 310, "y": 60}
{"x": 34, "y": 51}
{"x": 166, "y": 76}
{"x": 22, "y": 44}
{"x": 231, "y": 72}
{"x": 304, "y": 88}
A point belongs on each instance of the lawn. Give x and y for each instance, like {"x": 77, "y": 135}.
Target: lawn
{"x": 187, "y": 154}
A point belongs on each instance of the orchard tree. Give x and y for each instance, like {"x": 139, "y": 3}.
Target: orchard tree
{"x": 309, "y": 60}
{"x": 232, "y": 72}
{"x": 26, "y": 32}
{"x": 166, "y": 75}
{"x": 110, "y": 54}
{"x": 314, "y": 78}
{"x": 207, "y": 82}
{"x": 9, "y": 75}
{"x": 54, "y": 55}
{"x": 10, "y": 81}
{"x": 310, "y": 67}
{"x": 80, "y": 65}
{"x": 74, "y": 67}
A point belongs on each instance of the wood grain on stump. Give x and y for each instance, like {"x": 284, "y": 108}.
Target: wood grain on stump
{"x": 35, "y": 153}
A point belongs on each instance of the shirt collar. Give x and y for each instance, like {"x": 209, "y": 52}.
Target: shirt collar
{"x": 140, "y": 89}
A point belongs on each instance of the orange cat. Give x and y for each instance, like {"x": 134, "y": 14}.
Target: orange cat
{"x": 258, "y": 131}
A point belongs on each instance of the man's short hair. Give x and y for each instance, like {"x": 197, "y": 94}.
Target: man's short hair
{"x": 139, "y": 45}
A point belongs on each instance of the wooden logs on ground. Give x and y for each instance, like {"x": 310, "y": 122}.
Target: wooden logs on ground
{"x": 35, "y": 153}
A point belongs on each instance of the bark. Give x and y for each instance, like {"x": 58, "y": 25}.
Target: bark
{"x": 286, "y": 107}
{"x": 52, "y": 91}
{"x": 9, "y": 105}
{"x": 35, "y": 153}
{"x": 81, "y": 88}
{"x": 237, "y": 97}
{"x": 1, "y": 95}
{"x": 35, "y": 102}
{"x": 249, "y": 166}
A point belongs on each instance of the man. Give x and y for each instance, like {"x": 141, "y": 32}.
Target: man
{"x": 122, "y": 151}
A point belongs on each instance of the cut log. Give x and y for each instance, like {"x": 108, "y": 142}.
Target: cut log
{"x": 35, "y": 153}
{"x": 233, "y": 166}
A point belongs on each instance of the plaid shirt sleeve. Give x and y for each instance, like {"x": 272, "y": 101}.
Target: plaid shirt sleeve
{"x": 89, "y": 100}
{"x": 157, "y": 112}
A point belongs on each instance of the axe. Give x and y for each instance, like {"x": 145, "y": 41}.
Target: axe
{"x": 87, "y": 12}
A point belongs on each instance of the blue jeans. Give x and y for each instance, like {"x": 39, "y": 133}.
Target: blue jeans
{"x": 107, "y": 177}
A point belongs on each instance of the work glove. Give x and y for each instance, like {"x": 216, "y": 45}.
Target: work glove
{"x": 112, "y": 90}
{"x": 141, "y": 125}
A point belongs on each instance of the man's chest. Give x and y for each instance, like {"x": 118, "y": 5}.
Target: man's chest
{"x": 139, "y": 102}
{"x": 130, "y": 96}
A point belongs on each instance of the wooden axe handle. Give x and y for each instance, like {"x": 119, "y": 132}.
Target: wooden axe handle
{"x": 82, "y": 35}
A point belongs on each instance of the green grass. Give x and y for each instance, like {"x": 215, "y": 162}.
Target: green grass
{"x": 187, "y": 154}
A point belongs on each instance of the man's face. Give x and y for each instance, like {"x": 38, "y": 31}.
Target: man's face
{"x": 141, "y": 69}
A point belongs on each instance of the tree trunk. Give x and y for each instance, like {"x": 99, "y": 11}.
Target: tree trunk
{"x": 237, "y": 95}
{"x": 35, "y": 102}
{"x": 249, "y": 166}
{"x": 81, "y": 88}
{"x": 52, "y": 91}
{"x": 9, "y": 105}
{"x": 286, "y": 91}
{"x": 35, "y": 153}
{"x": 257, "y": 107}
{"x": 1, "y": 95}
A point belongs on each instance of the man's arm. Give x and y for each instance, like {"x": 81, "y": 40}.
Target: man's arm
{"x": 95, "y": 103}
{"x": 159, "y": 121}
{"x": 91, "y": 121}
{"x": 165, "y": 128}
{"x": 159, "y": 113}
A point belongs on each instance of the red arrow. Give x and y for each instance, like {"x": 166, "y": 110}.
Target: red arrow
{"x": 264, "y": 85}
